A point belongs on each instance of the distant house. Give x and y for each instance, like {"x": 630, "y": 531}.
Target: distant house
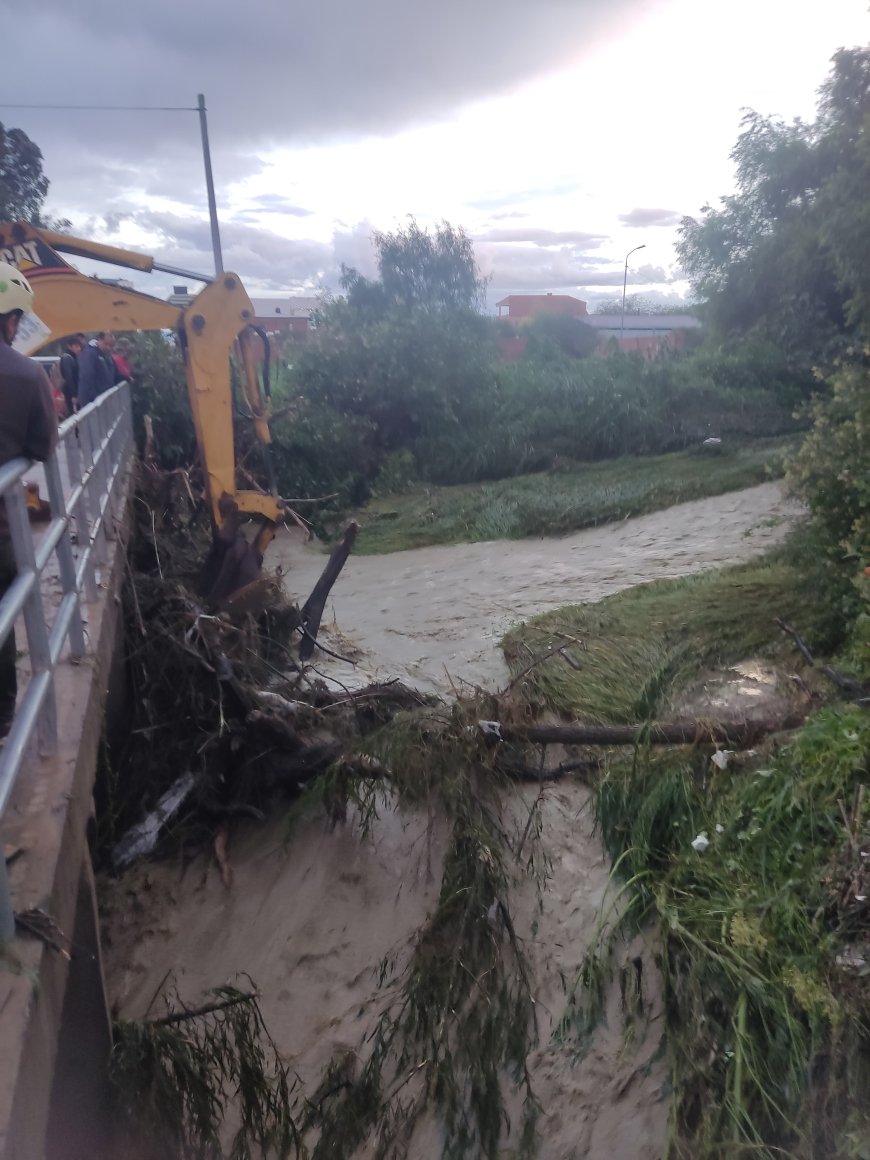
{"x": 284, "y": 315}
{"x": 274, "y": 315}
{"x": 645, "y": 333}
{"x": 518, "y": 307}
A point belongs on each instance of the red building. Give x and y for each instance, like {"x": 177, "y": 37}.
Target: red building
{"x": 518, "y": 307}
{"x": 284, "y": 315}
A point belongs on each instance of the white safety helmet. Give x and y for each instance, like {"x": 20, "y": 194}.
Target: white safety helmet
{"x": 15, "y": 291}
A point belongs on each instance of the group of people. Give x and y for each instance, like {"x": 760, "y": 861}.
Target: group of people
{"x": 89, "y": 368}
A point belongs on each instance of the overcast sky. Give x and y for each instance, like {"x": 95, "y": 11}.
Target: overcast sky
{"x": 559, "y": 133}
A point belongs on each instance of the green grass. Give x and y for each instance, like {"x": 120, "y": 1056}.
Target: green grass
{"x": 643, "y": 644}
{"x": 769, "y": 1040}
{"x": 556, "y": 502}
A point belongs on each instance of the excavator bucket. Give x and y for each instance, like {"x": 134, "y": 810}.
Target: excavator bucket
{"x": 234, "y": 561}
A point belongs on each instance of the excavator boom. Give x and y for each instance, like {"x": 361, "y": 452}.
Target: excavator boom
{"x": 220, "y": 316}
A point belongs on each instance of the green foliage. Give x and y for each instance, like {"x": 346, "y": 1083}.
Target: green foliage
{"x": 550, "y": 335}
{"x": 769, "y": 1041}
{"x": 644, "y": 644}
{"x": 552, "y": 503}
{"x": 23, "y": 186}
{"x": 318, "y": 451}
{"x": 459, "y": 1017}
{"x": 832, "y": 469}
{"x": 160, "y": 391}
{"x": 409, "y": 372}
{"x": 640, "y": 304}
{"x": 184, "y": 1078}
{"x": 434, "y": 272}
{"x": 786, "y": 257}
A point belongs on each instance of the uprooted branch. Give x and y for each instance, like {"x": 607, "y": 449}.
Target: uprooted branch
{"x": 738, "y": 734}
{"x": 856, "y": 690}
{"x": 312, "y": 609}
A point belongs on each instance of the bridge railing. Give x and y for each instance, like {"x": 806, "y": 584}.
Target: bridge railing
{"x": 84, "y": 485}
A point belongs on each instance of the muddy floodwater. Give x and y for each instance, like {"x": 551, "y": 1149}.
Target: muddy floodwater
{"x": 311, "y": 918}
{"x": 434, "y": 616}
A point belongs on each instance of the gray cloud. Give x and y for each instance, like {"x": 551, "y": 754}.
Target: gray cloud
{"x": 641, "y": 217}
{"x": 275, "y": 72}
{"x": 267, "y": 261}
{"x": 538, "y": 237}
{"x": 277, "y": 203}
{"x": 522, "y": 269}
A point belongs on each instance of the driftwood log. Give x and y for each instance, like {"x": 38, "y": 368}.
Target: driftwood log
{"x": 312, "y": 609}
{"x": 738, "y": 734}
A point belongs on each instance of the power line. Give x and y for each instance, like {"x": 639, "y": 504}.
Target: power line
{"x": 113, "y": 108}
{"x": 206, "y": 153}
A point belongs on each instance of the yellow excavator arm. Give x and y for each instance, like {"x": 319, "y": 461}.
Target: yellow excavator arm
{"x": 220, "y": 316}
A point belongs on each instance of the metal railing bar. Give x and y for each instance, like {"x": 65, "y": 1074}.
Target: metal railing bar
{"x": 67, "y": 610}
{"x": 19, "y": 736}
{"x": 96, "y": 443}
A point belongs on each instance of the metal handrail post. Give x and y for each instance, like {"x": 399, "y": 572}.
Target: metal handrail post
{"x": 34, "y": 618}
{"x": 65, "y": 561}
{"x": 93, "y": 486}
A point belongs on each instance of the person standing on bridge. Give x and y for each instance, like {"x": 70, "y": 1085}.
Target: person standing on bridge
{"x": 96, "y": 369}
{"x": 69, "y": 371}
{"x": 28, "y": 429}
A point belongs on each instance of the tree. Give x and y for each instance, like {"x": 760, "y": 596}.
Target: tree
{"x": 639, "y": 304}
{"x": 419, "y": 270}
{"x": 23, "y": 186}
{"x": 787, "y": 256}
{"x": 409, "y": 351}
{"x": 560, "y": 332}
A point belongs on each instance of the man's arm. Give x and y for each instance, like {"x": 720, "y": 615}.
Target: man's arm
{"x": 41, "y": 436}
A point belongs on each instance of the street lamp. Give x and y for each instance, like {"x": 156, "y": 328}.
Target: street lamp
{"x": 642, "y": 246}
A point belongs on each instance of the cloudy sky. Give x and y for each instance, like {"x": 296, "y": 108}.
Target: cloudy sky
{"x": 559, "y": 133}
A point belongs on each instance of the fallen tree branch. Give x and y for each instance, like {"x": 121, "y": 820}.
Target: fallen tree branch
{"x": 738, "y": 734}
{"x": 197, "y": 1012}
{"x": 312, "y": 609}
{"x": 555, "y": 772}
{"x": 848, "y": 684}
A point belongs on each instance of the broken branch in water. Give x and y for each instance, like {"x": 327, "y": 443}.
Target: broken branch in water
{"x": 197, "y": 1012}
{"x": 312, "y": 609}
{"x": 738, "y": 734}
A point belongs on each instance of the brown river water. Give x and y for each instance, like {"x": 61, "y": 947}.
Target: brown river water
{"x": 310, "y": 919}
{"x": 435, "y": 616}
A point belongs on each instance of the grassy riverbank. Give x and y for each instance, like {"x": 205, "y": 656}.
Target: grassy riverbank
{"x": 557, "y": 502}
{"x": 764, "y": 947}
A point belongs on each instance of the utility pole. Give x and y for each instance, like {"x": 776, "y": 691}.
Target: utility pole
{"x": 642, "y": 246}
{"x": 209, "y": 185}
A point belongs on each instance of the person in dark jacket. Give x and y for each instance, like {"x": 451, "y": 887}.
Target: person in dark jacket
{"x": 28, "y": 428}
{"x": 96, "y": 369}
{"x": 69, "y": 371}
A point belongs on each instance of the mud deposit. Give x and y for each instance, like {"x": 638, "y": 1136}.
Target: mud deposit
{"x": 311, "y": 916}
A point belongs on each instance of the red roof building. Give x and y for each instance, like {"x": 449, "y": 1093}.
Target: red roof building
{"x": 520, "y": 306}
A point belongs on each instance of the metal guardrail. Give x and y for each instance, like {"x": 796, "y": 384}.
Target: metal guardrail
{"x": 93, "y": 450}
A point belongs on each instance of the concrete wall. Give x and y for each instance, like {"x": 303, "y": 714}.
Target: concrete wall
{"x": 55, "y": 1026}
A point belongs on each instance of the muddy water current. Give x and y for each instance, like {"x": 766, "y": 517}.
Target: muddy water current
{"x": 434, "y": 616}
{"x": 311, "y": 918}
